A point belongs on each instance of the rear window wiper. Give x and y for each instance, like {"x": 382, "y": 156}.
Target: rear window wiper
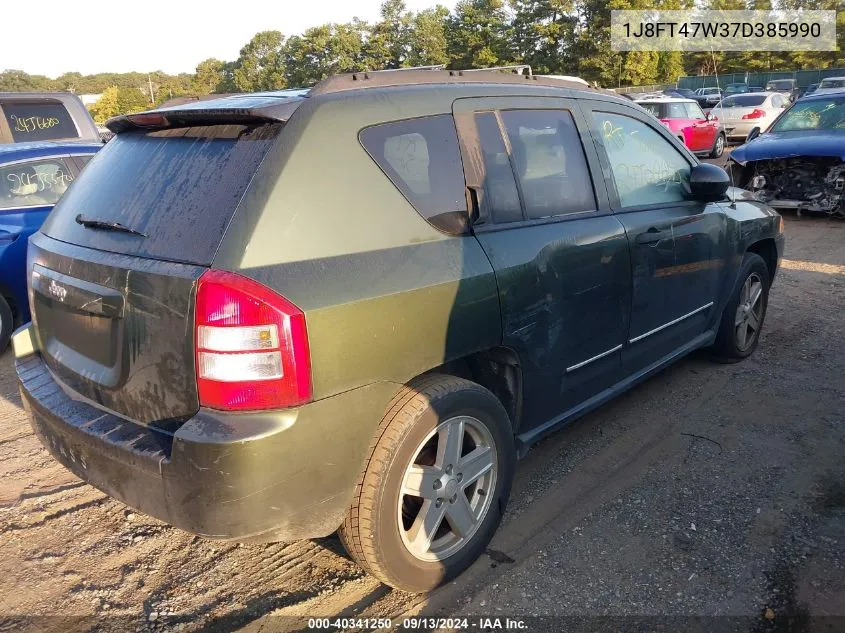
{"x": 93, "y": 223}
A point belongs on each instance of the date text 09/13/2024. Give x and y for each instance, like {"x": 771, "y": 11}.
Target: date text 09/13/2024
{"x": 418, "y": 623}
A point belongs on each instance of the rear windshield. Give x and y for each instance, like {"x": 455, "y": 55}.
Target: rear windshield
{"x": 39, "y": 121}
{"x": 180, "y": 187}
{"x": 783, "y": 84}
{"x": 743, "y": 101}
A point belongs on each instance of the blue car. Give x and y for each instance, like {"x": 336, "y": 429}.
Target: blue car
{"x": 33, "y": 176}
{"x": 799, "y": 163}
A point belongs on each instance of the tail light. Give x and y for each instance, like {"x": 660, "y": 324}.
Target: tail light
{"x": 756, "y": 113}
{"x": 251, "y": 346}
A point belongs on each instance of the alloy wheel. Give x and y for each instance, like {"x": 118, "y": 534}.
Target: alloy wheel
{"x": 749, "y": 312}
{"x": 447, "y": 489}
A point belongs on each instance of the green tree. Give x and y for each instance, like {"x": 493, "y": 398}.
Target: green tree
{"x": 209, "y": 76}
{"x": 427, "y": 37}
{"x": 387, "y": 44}
{"x": 260, "y": 65}
{"x": 19, "y": 81}
{"x": 544, "y": 33}
{"x": 323, "y": 51}
{"x": 107, "y": 106}
{"x": 478, "y": 34}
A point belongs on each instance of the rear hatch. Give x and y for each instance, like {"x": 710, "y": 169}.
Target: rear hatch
{"x": 114, "y": 268}
{"x": 734, "y": 108}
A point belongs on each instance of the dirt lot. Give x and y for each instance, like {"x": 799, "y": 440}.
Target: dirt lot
{"x": 709, "y": 490}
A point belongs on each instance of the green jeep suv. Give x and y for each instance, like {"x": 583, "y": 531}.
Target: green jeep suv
{"x": 277, "y": 316}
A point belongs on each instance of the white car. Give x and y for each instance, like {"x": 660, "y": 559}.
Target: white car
{"x": 741, "y": 113}
{"x": 830, "y": 85}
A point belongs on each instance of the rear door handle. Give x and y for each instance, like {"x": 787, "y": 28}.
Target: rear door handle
{"x": 652, "y": 236}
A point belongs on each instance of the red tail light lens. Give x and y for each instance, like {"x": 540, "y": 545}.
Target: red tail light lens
{"x": 756, "y": 113}
{"x": 251, "y": 346}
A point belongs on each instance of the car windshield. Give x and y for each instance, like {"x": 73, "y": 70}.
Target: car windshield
{"x": 785, "y": 84}
{"x": 736, "y": 88}
{"x": 818, "y": 114}
{"x": 832, "y": 83}
{"x": 743, "y": 101}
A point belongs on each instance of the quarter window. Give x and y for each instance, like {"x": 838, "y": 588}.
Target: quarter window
{"x": 36, "y": 183}
{"x": 421, "y": 157}
{"x": 694, "y": 111}
{"x": 549, "y": 162}
{"x": 646, "y": 168}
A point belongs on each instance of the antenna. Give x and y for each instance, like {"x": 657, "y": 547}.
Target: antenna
{"x": 732, "y": 196}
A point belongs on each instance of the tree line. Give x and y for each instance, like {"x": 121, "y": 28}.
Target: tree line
{"x": 569, "y": 37}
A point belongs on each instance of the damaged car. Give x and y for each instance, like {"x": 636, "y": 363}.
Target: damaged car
{"x": 799, "y": 163}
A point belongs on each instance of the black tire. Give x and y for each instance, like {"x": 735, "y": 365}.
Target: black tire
{"x": 372, "y": 530}
{"x": 718, "y": 146}
{"x": 6, "y": 324}
{"x": 729, "y": 346}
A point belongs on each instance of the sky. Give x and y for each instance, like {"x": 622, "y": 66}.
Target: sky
{"x": 91, "y": 36}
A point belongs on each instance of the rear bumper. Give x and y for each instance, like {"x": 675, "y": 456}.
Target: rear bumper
{"x": 281, "y": 475}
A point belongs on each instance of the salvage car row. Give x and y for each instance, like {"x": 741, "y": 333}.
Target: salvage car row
{"x": 224, "y": 342}
{"x": 793, "y": 156}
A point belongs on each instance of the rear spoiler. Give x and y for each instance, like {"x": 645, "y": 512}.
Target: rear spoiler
{"x": 241, "y": 109}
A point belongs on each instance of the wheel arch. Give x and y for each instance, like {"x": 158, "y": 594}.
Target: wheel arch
{"x": 497, "y": 369}
{"x": 767, "y": 249}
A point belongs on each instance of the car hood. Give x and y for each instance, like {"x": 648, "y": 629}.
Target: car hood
{"x": 786, "y": 144}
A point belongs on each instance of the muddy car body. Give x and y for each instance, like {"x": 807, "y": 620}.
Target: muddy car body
{"x": 354, "y": 309}
{"x": 799, "y": 163}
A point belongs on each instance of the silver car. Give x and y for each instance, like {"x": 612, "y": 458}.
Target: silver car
{"x": 830, "y": 85}
{"x": 740, "y": 113}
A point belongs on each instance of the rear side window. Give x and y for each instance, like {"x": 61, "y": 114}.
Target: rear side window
{"x": 676, "y": 111}
{"x": 421, "y": 157}
{"x": 550, "y": 162}
{"x": 179, "y": 186}
{"x": 39, "y": 121}
{"x": 693, "y": 111}
{"x": 656, "y": 109}
{"x": 34, "y": 184}
{"x": 743, "y": 101}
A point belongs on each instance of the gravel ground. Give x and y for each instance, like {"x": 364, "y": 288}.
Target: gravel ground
{"x": 709, "y": 490}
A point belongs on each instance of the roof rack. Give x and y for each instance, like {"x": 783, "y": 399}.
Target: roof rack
{"x": 398, "y": 70}
{"x": 516, "y": 70}
{"x": 412, "y": 76}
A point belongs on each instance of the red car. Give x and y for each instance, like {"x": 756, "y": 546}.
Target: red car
{"x": 702, "y": 134}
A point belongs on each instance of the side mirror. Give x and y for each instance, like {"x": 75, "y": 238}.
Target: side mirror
{"x": 754, "y": 133}
{"x": 707, "y": 116}
{"x": 708, "y": 183}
